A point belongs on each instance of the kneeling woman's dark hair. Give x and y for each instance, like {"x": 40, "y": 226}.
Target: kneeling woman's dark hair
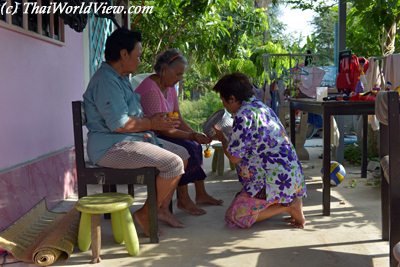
{"x": 121, "y": 38}
{"x": 236, "y": 84}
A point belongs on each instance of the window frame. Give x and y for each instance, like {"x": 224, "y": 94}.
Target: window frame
{"x": 8, "y": 24}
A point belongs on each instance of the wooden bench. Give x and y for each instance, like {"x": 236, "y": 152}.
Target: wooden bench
{"x": 109, "y": 177}
{"x": 387, "y": 112}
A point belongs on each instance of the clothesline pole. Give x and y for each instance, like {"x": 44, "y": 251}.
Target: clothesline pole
{"x": 292, "y": 55}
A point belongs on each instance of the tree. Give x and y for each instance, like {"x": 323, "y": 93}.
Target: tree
{"x": 205, "y": 29}
{"x": 363, "y": 39}
{"x": 214, "y": 34}
{"x": 372, "y": 22}
{"x": 322, "y": 39}
{"x": 382, "y": 13}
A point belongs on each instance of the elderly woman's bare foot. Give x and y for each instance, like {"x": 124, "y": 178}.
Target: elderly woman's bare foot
{"x": 187, "y": 205}
{"x": 209, "y": 200}
{"x": 296, "y": 213}
{"x": 141, "y": 219}
{"x": 166, "y": 216}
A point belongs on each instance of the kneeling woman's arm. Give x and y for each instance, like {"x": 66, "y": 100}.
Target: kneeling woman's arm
{"x": 221, "y": 137}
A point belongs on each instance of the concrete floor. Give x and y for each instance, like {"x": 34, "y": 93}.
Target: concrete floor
{"x": 351, "y": 236}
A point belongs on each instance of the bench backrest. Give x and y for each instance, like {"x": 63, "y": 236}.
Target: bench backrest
{"x": 79, "y": 120}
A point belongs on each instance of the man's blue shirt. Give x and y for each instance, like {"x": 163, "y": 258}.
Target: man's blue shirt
{"x": 109, "y": 102}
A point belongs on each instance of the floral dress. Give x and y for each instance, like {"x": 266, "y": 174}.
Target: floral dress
{"x": 269, "y": 170}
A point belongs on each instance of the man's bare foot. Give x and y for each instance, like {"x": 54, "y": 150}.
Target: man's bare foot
{"x": 141, "y": 219}
{"x": 166, "y": 216}
{"x": 296, "y": 213}
{"x": 209, "y": 200}
{"x": 187, "y": 205}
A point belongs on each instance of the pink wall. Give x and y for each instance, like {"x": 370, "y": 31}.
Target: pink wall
{"x": 38, "y": 81}
{"x": 52, "y": 177}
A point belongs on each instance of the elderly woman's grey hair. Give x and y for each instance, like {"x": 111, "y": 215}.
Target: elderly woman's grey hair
{"x": 169, "y": 58}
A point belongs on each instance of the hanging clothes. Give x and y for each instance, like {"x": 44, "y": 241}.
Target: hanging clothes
{"x": 309, "y": 82}
{"x": 373, "y": 74}
{"x": 392, "y": 73}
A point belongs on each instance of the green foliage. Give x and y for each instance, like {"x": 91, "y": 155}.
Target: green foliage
{"x": 276, "y": 28}
{"x": 319, "y": 6}
{"x": 352, "y": 153}
{"x": 273, "y": 64}
{"x": 209, "y": 33}
{"x": 322, "y": 39}
{"x": 196, "y": 112}
{"x": 378, "y": 12}
{"x": 245, "y": 66}
{"x": 376, "y": 19}
{"x": 369, "y": 24}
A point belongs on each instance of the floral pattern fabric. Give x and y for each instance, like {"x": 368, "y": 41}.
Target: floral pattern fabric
{"x": 244, "y": 210}
{"x": 268, "y": 159}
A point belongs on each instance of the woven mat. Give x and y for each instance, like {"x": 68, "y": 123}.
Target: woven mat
{"x": 41, "y": 236}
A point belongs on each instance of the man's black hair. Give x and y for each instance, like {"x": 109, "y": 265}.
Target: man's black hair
{"x": 120, "y": 39}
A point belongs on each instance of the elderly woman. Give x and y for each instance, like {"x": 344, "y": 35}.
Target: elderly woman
{"x": 158, "y": 95}
{"x": 119, "y": 134}
{"x": 266, "y": 162}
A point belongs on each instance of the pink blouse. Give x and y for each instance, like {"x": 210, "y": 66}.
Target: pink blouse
{"x": 153, "y": 100}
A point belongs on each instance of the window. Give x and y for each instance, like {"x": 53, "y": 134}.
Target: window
{"x": 24, "y": 16}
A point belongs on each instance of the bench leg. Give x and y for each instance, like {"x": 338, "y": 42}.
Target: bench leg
{"x": 96, "y": 238}
{"x": 214, "y": 162}
{"x": 220, "y": 162}
{"x": 153, "y": 217}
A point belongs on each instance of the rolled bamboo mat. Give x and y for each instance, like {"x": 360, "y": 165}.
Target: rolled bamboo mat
{"x": 41, "y": 236}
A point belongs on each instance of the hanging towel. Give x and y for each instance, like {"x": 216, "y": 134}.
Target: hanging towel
{"x": 335, "y": 134}
{"x": 373, "y": 74}
{"x": 392, "y": 70}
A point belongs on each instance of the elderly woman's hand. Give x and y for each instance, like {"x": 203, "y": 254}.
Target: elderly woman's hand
{"x": 201, "y": 138}
{"x": 160, "y": 122}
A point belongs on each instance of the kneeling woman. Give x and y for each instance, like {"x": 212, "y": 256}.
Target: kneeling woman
{"x": 266, "y": 162}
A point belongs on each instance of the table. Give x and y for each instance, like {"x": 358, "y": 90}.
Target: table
{"x": 327, "y": 109}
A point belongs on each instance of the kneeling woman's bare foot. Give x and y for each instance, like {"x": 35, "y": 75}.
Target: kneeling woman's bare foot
{"x": 289, "y": 220}
{"x": 166, "y": 216}
{"x": 296, "y": 213}
{"x": 187, "y": 205}
{"x": 209, "y": 200}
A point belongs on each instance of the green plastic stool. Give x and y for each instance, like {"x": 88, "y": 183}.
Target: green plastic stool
{"x": 218, "y": 160}
{"x": 92, "y": 207}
